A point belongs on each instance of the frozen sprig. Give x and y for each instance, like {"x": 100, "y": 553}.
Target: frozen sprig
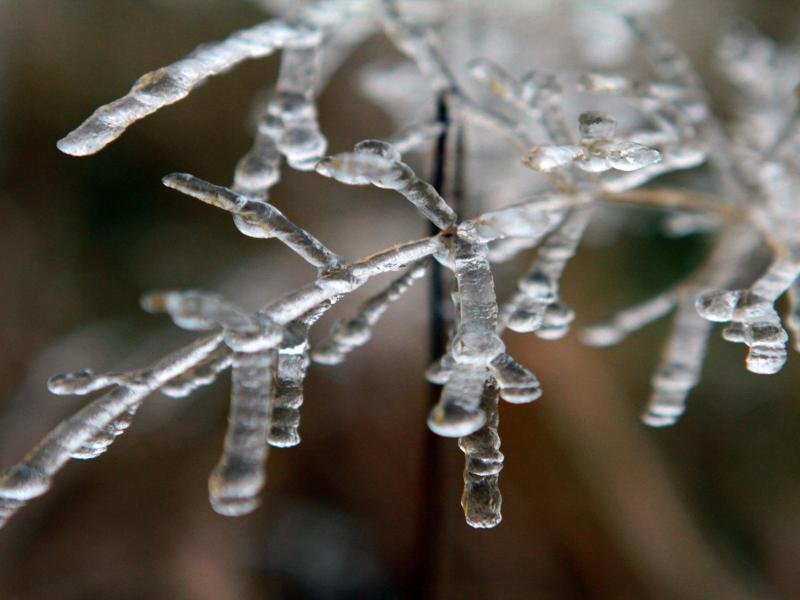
{"x": 347, "y": 335}
{"x": 170, "y": 84}
{"x": 378, "y": 163}
{"x": 268, "y": 349}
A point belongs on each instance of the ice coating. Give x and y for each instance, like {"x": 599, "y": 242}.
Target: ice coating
{"x": 516, "y": 383}
{"x": 630, "y": 320}
{"x": 293, "y": 362}
{"x": 265, "y": 219}
{"x": 481, "y": 499}
{"x": 474, "y": 346}
{"x": 237, "y": 479}
{"x": 755, "y": 322}
{"x": 32, "y": 476}
{"x": 378, "y": 163}
{"x": 679, "y": 369}
{"x": 751, "y": 205}
{"x": 536, "y": 305}
{"x": 170, "y": 84}
{"x": 346, "y": 335}
{"x": 203, "y": 374}
{"x": 597, "y": 152}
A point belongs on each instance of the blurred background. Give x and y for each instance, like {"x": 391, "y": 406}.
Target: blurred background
{"x": 596, "y": 505}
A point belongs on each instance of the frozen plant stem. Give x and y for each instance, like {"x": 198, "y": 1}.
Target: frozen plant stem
{"x": 749, "y": 205}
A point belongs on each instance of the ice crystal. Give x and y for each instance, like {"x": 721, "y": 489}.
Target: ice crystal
{"x": 754, "y": 203}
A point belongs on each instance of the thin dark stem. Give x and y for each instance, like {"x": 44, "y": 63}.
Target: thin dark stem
{"x": 446, "y": 179}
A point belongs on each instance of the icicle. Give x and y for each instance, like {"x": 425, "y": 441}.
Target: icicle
{"x": 481, "y": 499}
{"x": 293, "y": 361}
{"x": 474, "y": 346}
{"x": 346, "y": 335}
{"x": 300, "y": 139}
{"x": 378, "y": 163}
{"x": 170, "y": 84}
{"x": 239, "y": 476}
{"x": 287, "y": 398}
{"x": 259, "y": 169}
{"x": 32, "y": 476}
{"x": 259, "y": 218}
{"x": 758, "y": 326}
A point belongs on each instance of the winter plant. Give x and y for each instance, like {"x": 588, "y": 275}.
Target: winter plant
{"x": 749, "y": 202}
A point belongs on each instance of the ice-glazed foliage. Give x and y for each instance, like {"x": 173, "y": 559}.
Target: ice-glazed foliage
{"x": 751, "y": 202}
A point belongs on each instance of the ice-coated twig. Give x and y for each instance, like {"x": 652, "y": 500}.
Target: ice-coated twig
{"x": 536, "y": 94}
{"x": 237, "y": 479}
{"x": 259, "y": 219}
{"x": 630, "y": 320}
{"x": 195, "y": 310}
{"x": 170, "y": 84}
{"x": 205, "y": 373}
{"x": 33, "y": 475}
{"x": 420, "y": 45}
{"x": 531, "y": 219}
{"x": 349, "y": 278}
{"x": 682, "y": 358}
{"x": 348, "y": 334}
{"x": 481, "y": 499}
{"x": 536, "y": 305}
{"x": 84, "y": 382}
{"x": 378, "y": 163}
{"x": 413, "y": 137}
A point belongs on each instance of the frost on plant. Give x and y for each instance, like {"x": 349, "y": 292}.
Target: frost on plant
{"x": 752, "y": 203}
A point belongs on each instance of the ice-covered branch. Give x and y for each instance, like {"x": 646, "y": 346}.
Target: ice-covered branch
{"x": 170, "y": 84}
{"x": 347, "y": 335}
{"x": 257, "y": 219}
{"x": 630, "y": 320}
{"x": 33, "y": 475}
{"x": 378, "y": 163}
